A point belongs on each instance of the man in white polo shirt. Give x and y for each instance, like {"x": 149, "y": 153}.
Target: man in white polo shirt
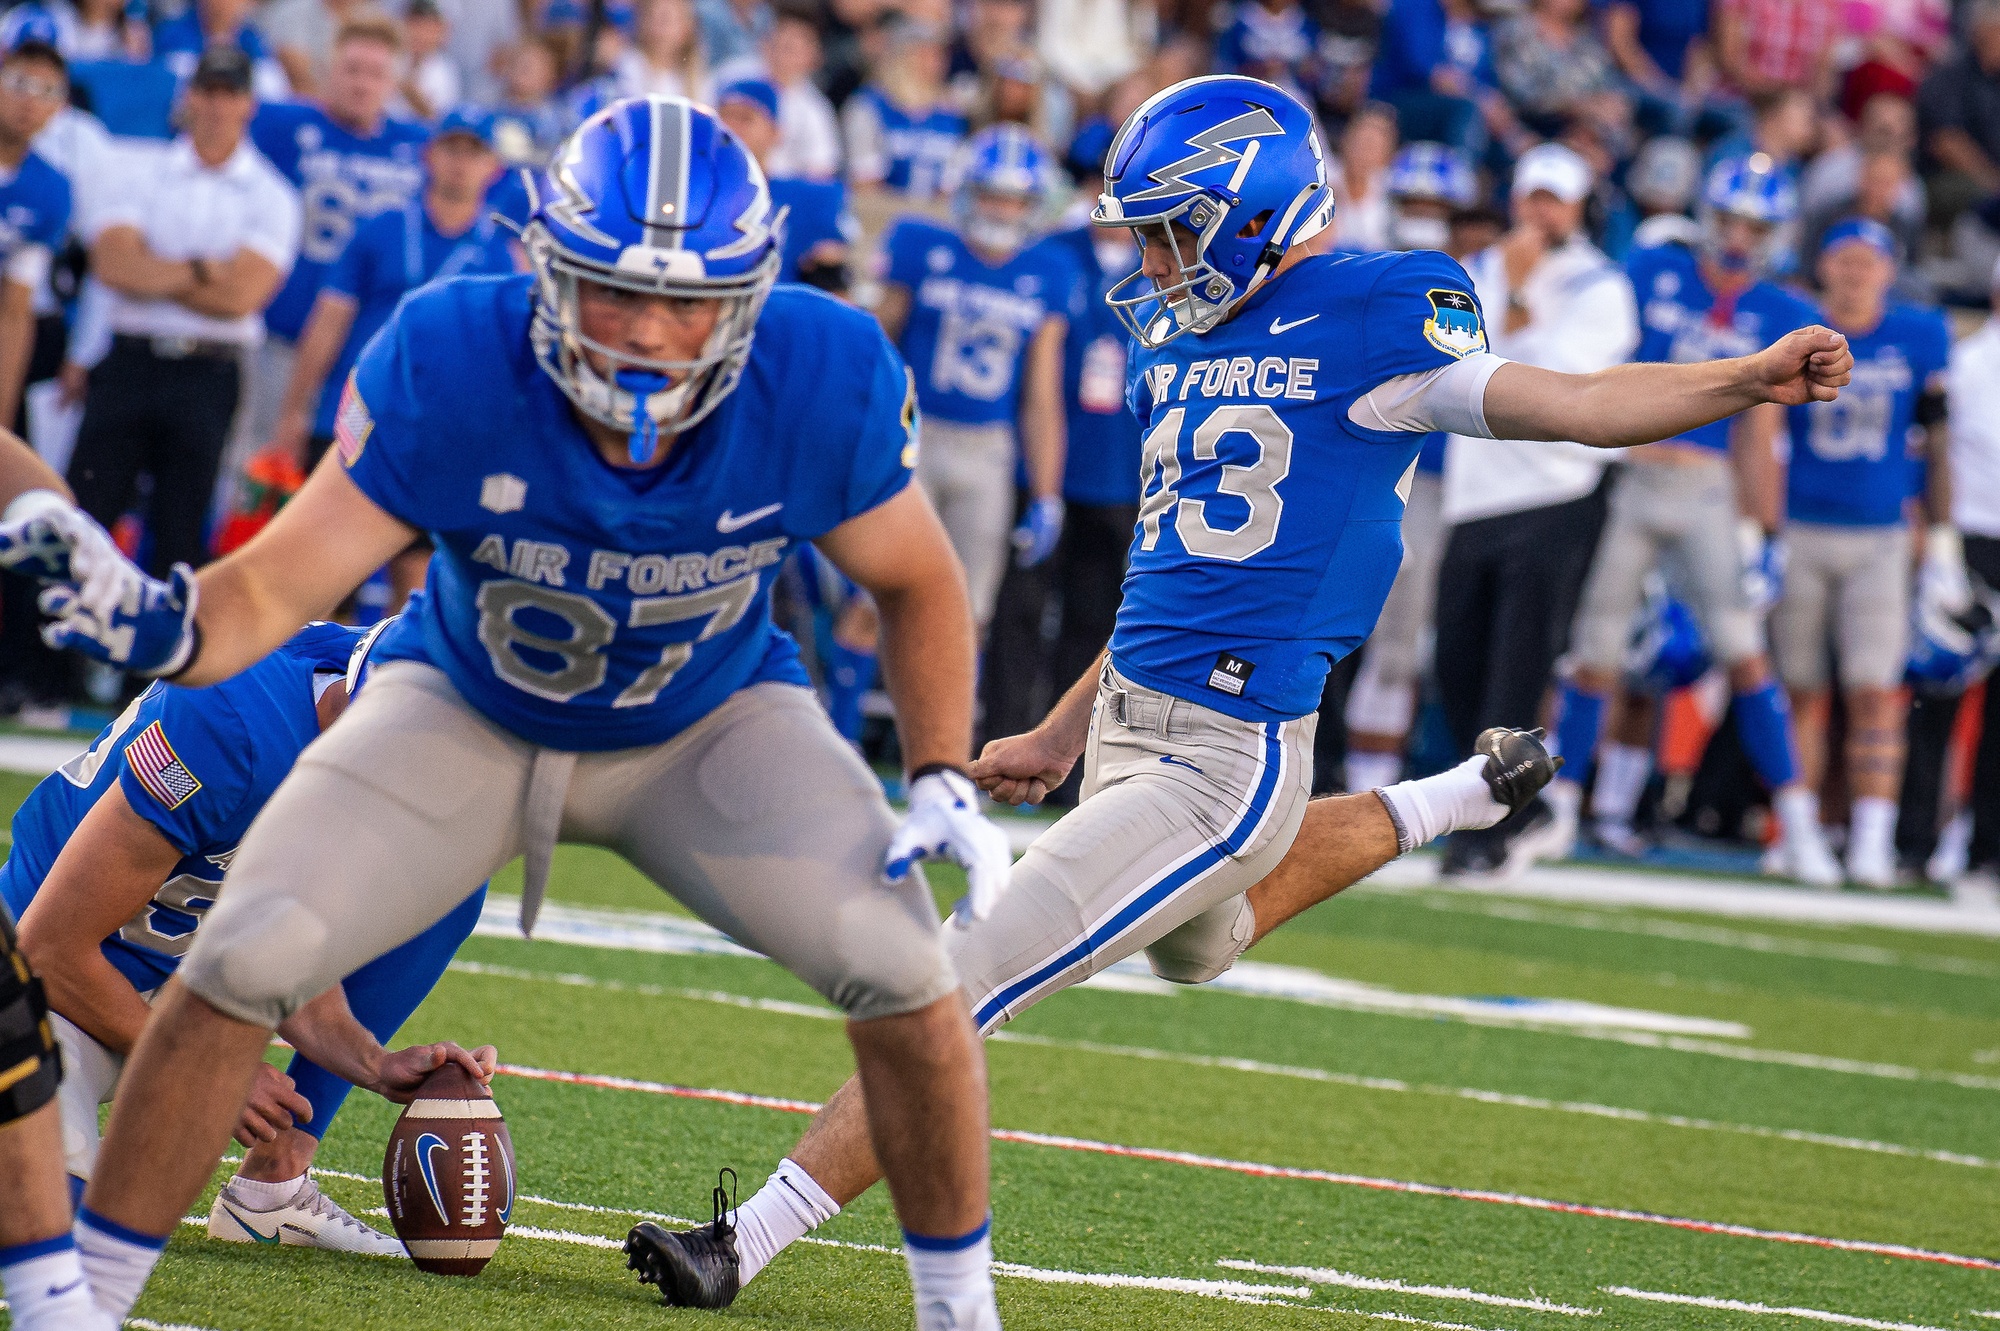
{"x": 191, "y": 241}
{"x": 1524, "y": 518}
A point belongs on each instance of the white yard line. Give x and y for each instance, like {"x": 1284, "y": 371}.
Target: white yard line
{"x": 1745, "y": 898}
{"x": 1320, "y": 1275}
{"x": 1765, "y": 1309}
{"x": 1390, "y": 1085}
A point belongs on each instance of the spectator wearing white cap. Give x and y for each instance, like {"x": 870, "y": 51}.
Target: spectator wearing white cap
{"x": 1525, "y": 517}
{"x": 192, "y": 243}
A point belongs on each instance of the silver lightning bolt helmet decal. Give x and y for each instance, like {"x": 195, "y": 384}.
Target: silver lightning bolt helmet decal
{"x": 1211, "y": 149}
{"x": 572, "y": 202}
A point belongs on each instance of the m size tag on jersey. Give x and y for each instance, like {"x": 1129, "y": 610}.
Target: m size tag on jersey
{"x": 1231, "y": 674}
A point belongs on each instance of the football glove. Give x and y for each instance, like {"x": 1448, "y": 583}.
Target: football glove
{"x": 1943, "y": 586}
{"x": 44, "y": 536}
{"x": 1763, "y": 555}
{"x": 148, "y": 628}
{"x": 944, "y": 823}
{"x": 1041, "y": 527}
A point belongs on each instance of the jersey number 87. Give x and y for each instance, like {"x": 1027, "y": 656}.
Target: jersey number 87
{"x": 1256, "y": 484}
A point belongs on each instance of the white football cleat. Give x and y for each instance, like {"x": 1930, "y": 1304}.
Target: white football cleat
{"x": 1806, "y": 859}
{"x": 310, "y": 1220}
{"x": 1619, "y": 837}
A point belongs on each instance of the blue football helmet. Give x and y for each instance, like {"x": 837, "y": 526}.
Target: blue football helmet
{"x": 1234, "y": 160}
{"x": 1950, "y": 653}
{"x": 1667, "y": 650}
{"x": 651, "y": 195}
{"x": 1003, "y": 161}
{"x": 1753, "y": 188}
{"x": 1435, "y": 172}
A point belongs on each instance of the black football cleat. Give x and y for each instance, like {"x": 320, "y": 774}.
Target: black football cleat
{"x": 1518, "y": 765}
{"x": 694, "y": 1268}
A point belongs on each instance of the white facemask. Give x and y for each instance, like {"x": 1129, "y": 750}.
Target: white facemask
{"x": 1418, "y": 233}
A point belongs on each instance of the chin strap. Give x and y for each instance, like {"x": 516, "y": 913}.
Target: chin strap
{"x": 645, "y": 432}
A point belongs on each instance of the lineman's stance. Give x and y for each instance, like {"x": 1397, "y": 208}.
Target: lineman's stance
{"x": 1278, "y": 437}
{"x": 117, "y": 858}
{"x": 596, "y": 662}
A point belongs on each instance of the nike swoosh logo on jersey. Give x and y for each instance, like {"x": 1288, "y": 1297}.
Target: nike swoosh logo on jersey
{"x": 57, "y": 1291}
{"x": 730, "y": 522}
{"x": 1280, "y": 326}
{"x": 249, "y": 1229}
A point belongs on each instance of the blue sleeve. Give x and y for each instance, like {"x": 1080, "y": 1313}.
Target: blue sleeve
{"x": 271, "y": 131}
{"x": 1229, "y": 44}
{"x": 1412, "y": 45}
{"x": 189, "y": 768}
{"x": 378, "y": 426}
{"x": 53, "y": 222}
{"x": 350, "y": 272}
{"x": 1420, "y": 314}
{"x": 905, "y": 249}
{"x": 885, "y": 456}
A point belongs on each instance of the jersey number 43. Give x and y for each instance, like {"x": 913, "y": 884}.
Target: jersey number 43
{"x": 1256, "y": 431}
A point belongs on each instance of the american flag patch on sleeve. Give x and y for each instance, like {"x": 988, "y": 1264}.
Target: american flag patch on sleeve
{"x": 159, "y": 769}
{"x": 351, "y": 424}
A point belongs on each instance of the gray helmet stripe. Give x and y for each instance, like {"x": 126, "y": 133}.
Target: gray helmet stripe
{"x": 667, "y": 174}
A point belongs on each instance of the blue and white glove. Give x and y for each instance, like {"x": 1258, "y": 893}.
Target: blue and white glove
{"x": 1041, "y": 527}
{"x": 147, "y": 627}
{"x": 1763, "y": 555}
{"x": 44, "y": 536}
{"x": 1944, "y": 588}
{"x": 944, "y": 823}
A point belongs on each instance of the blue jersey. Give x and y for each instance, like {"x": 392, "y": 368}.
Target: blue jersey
{"x": 818, "y": 214}
{"x": 1270, "y": 525}
{"x": 343, "y": 179}
{"x": 1680, "y": 320}
{"x": 34, "y": 209}
{"x": 586, "y": 607}
{"x": 1857, "y": 458}
{"x": 1101, "y": 465}
{"x": 970, "y": 322}
{"x": 393, "y": 253}
{"x": 198, "y": 764}
{"x": 917, "y": 151}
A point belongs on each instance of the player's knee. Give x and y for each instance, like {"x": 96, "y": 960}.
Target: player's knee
{"x": 1205, "y": 946}
{"x": 30, "y": 1064}
{"x": 259, "y": 963}
{"x": 888, "y": 963}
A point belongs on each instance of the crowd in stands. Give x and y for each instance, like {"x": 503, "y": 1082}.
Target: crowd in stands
{"x": 206, "y": 206}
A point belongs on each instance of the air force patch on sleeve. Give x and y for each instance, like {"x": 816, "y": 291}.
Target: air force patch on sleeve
{"x": 1454, "y": 326}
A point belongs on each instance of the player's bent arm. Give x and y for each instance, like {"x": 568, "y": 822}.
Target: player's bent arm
{"x": 320, "y": 547}
{"x": 326, "y": 1031}
{"x": 1021, "y": 769}
{"x": 1644, "y": 403}
{"x": 22, "y": 470}
{"x": 899, "y": 554}
{"x": 241, "y": 284}
{"x": 112, "y": 865}
{"x": 1042, "y": 425}
{"x": 1760, "y": 477}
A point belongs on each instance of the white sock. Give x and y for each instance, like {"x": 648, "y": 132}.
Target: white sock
{"x": 118, "y": 1261}
{"x": 1565, "y": 797}
{"x": 953, "y": 1280}
{"x": 45, "y": 1287}
{"x": 1455, "y": 798}
{"x": 1622, "y": 770}
{"x": 788, "y": 1207}
{"x": 1871, "y": 827}
{"x": 1371, "y": 771}
{"x": 1798, "y": 814}
{"x": 260, "y": 1196}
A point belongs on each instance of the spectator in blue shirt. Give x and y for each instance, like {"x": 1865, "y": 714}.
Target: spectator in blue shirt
{"x": 1436, "y": 68}
{"x": 447, "y": 233}
{"x": 819, "y": 230}
{"x": 179, "y": 42}
{"x": 1272, "y": 40}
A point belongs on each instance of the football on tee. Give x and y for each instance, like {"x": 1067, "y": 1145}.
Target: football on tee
{"x": 448, "y": 1176}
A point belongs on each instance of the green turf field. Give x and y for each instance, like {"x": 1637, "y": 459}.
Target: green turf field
{"x": 1216, "y": 1159}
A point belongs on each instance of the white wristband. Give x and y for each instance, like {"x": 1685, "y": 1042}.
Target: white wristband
{"x": 1944, "y": 545}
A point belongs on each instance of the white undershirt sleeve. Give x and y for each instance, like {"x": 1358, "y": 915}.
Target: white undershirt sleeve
{"x": 29, "y": 266}
{"x": 1451, "y": 398}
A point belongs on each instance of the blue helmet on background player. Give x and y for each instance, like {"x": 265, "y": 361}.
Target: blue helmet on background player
{"x": 1667, "y": 651}
{"x": 1755, "y": 190}
{"x": 1426, "y": 182}
{"x": 1234, "y": 160}
{"x": 1949, "y": 653}
{"x": 1001, "y": 180}
{"x": 651, "y": 195}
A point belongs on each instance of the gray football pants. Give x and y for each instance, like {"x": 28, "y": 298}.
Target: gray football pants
{"x": 758, "y": 818}
{"x": 1183, "y": 811}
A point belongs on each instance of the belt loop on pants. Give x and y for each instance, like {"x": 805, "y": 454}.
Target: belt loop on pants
{"x": 541, "y": 823}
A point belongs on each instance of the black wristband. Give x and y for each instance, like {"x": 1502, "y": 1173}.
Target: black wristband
{"x": 932, "y": 769}
{"x": 194, "y": 654}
